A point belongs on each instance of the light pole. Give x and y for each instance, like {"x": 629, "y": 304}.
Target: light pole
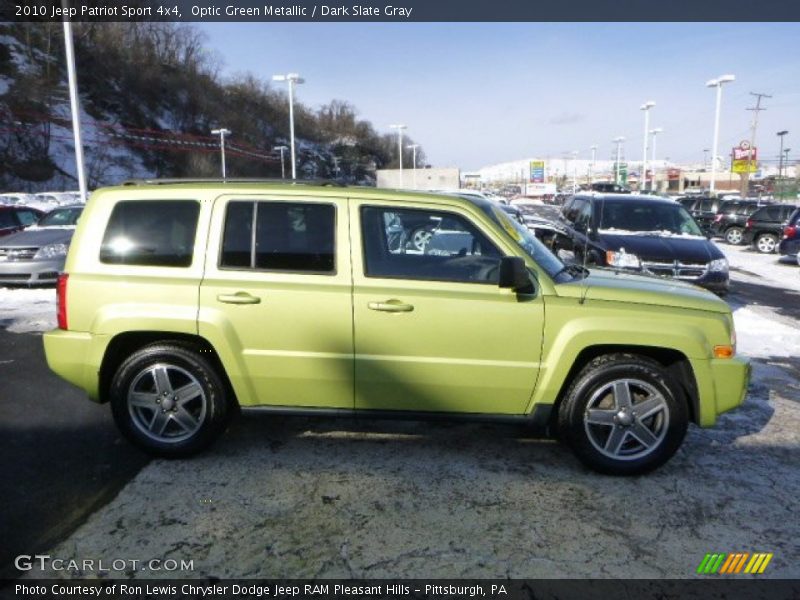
{"x": 74, "y": 106}
{"x": 292, "y": 79}
{"x": 399, "y": 127}
{"x": 705, "y": 158}
{"x": 717, "y": 83}
{"x": 618, "y": 141}
{"x": 574, "y": 155}
{"x": 283, "y": 169}
{"x": 222, "y": 132}
{"x": 786, "y": 167}
{"x": 646, "y": 108}
{"x": 654, "y": 133}
{"x": 780, "y": 134}
{"x": 591, "y": 164}
{"x": 413, "y": 148}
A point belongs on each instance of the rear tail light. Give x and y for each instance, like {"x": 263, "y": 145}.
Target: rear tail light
{"x": 789, "y": 231}
{"x": 718, "y": 218}
{"x": 749, "y": 223}
{"x": 61, "y": 300}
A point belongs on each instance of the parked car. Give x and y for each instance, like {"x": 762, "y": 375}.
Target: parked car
{"x": 703, "y": 209}
{"x": 16, "y": 199}
{"x": 16, "y": 218}
{"x": 764, "y": 227}
{"x": 180, "y": 302}
{"x": 37, "y": 254}
{"x": 790, "y": 240}
{"x": 731, "y": 218}
{"x": 643, "y": 234}
{"x": 609, "y": 187}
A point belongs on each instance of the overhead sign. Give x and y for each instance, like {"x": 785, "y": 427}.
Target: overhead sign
{"x": 537, "y": 171}
{"x": 744, "y": 158}
{"x": 673, "y": 174}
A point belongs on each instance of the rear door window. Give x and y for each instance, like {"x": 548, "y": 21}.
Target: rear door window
{"x": 156, "y": 233}
{"x": 297, "y": 237}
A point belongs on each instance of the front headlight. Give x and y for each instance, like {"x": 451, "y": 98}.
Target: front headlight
{"x": 718, "y": 266}
{"x": 622, "y": 259}
{"x": 51, "y": 251}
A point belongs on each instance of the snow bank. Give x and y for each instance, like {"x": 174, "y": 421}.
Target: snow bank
{"x": 761, "y": 337}
{"x": 25, "y": 310}
{"x": 763, "y": 269}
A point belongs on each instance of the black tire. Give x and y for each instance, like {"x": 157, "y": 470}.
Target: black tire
{"x": 181, "y": 426}
{"x": 766, "y": 243}
{"x": 734, "y": 235}
{"x": 646, "y": 381}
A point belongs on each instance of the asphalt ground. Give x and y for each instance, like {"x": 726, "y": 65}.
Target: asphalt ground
{"x": 62, "y": 457}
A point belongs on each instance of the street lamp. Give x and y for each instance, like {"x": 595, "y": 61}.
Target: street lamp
{"x": 292, "y": 79}
{"x": 717, "y": 83}
{"x": 283, "y": 169}
{"x": 654, "y": 133}
{"x": 574, "y": 155}
{"x": 618, "y": 141}
{"x": 400, "y": 128}
{"x": 780, "y": 134}
{"x": 413, "y": 148}
{"x": 591, "y": 164}
{"x": 646, "y": 108}
{"x": 222, "y": 132}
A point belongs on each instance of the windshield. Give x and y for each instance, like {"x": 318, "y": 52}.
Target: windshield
{"x": 60, "y": 217}
{"x": 625, "y": 216}
{"x": 526, "y": 240}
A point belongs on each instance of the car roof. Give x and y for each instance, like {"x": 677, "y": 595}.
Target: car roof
{"x": 627, "y": 197}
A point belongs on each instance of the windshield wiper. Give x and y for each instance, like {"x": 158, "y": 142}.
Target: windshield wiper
{"x": 575, "y": 270}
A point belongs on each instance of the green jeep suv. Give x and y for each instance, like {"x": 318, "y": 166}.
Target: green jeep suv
{"x": 181, "y": 302}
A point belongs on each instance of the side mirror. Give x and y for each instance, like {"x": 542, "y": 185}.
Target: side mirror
{"x": 514, "y": 275}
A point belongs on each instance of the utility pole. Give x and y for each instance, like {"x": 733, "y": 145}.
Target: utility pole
{"x": 283, "y": 167}
{"x": 756, "y": 109}
{"x": 780, "y": 134}
{"x": 222, "y": 132}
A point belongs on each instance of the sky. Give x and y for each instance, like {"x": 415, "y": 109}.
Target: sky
{"x": 477, "y": 94}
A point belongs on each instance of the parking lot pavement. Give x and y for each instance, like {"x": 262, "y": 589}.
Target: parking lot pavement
{"x": 281, "y": 497}
{"x": 61, "y": 458}
{"x": 299, "y": 497}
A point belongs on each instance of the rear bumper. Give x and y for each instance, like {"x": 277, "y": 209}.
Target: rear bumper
{"x": 789, "y": 247}
{"x": 76, "y": 357}
{"x": 30, "y": 272}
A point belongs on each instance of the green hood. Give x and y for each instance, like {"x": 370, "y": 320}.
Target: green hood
{"x": 619, "y": 286}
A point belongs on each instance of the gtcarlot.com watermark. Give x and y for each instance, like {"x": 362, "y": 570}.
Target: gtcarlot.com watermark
{"x": 46, "y": 562}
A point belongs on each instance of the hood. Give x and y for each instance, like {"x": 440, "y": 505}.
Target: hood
{"x": 655, "y": 247}
{"x": 38, "y": 237}
{"x": 622, "y": 286}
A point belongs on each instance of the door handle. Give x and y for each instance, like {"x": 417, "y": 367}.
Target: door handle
{"x": 238, "y": 298}
{"x": 393, "y": 305}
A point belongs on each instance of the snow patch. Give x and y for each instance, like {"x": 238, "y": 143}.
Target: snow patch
{"x": 760, "y": 337}
{"x": 27, "y": 310}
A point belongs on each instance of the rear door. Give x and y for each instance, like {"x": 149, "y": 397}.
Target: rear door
{"x": 277, "y": 292}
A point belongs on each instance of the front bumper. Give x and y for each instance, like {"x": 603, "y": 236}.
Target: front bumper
{"x": 30, "y": 272}
{"x": 722, "y": 386}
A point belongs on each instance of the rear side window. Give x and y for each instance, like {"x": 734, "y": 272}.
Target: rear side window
{"x": 288, "y": 236}
{"x": 156, "y": 233}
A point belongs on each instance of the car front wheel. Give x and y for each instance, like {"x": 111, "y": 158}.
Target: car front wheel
{"x": 623, "y": 415}
{"x": 168, "y": 400}
{"x": 766, "y": 243}
{"x": 734, "y": 236}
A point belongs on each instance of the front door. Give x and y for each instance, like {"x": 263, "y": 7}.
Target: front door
{"x": 433, "y": 331}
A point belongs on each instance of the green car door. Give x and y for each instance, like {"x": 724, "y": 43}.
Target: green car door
{"x": 276, "y": 299}
{"x": 432, "y": 329}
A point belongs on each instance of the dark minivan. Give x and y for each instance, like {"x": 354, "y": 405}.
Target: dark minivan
{"x": 642, "y": 233}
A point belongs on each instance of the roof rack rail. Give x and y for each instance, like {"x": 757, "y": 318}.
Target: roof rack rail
{"x": 173, "y": 180}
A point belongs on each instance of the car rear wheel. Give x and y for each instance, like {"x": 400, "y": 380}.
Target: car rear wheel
{"x": 734, "y": 236}
{"x": 168, "y": 400}
{"x": 766, "y": 243}
{"x": 420, "y": 237}
{"x": 623, "y": 415}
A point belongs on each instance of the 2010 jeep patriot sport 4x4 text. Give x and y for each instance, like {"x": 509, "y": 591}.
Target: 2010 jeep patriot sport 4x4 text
{"x": 181, "y": 301}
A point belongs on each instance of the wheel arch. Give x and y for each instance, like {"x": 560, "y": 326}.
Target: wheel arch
{"x": 124, "y": 344}
{"x": 674, "y": 361}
